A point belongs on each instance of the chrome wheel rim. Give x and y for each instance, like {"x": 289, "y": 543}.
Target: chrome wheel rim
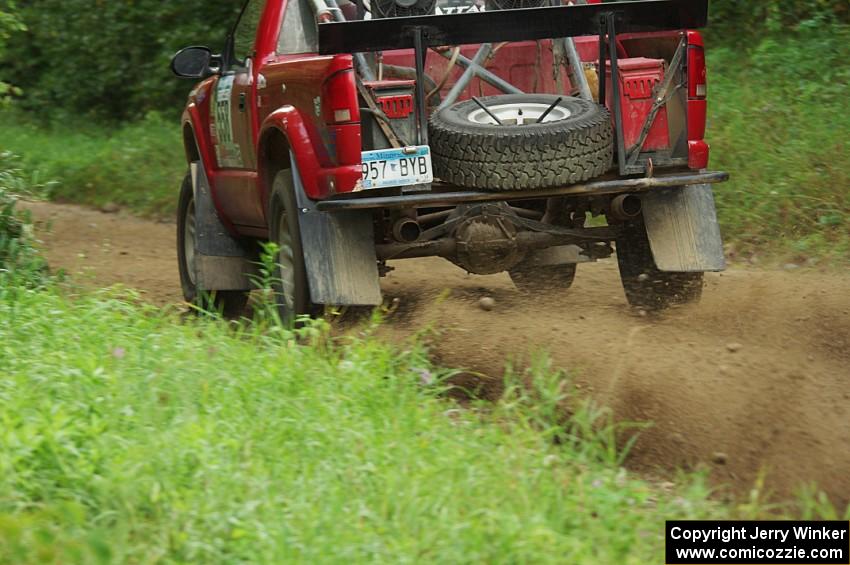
{"x": 285, "y": 262}
{"x": 518, "y": 114}
{"x": 189, "y": 231}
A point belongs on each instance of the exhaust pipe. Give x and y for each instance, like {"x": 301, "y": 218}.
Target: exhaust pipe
{"x": 626, "y": 207}
{"x": 406, "y": 230}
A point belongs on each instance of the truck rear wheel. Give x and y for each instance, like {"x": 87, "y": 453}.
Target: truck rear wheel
{"x": 645, "y": 285}
{"x": 289, "y": 283}
{"x": 573, "y": 143}
{"x": 229, "y": 303}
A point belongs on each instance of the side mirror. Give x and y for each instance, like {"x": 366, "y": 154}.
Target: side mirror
{"x": 193, "y": 62}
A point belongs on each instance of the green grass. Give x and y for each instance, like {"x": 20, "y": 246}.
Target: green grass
{"x": 138, "y": 165}
{"x": 129, "y": 435}
{"x": 20, "y": 261}
{"x": 779, "y": 117}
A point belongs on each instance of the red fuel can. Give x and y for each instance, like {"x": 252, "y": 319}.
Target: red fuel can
{"x": 639, "y": 79}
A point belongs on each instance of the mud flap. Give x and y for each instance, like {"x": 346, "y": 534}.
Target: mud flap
{"x": 221, "y": 261}
{"x": 681, "y": 224}
{"x": 339, "y": 252}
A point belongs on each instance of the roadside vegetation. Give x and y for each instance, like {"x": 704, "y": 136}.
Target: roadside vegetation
{"x": 135, "y": 165}
{"x": 778, "y": 122}
{"x": 130, "y": 436}
{"x": 135, "y": 434}
{"x": 20, "y": 262}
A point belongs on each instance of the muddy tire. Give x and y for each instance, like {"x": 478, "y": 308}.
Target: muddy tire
{"x": 532, "y": 279}
{"x": 646, "y": 286}
{"x": 292, "y": 293}
{"x": 229, "y": 303}
{"x": 573, "y": 144}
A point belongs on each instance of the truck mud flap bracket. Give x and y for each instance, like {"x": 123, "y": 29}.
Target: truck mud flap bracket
{"x": 339, "y": 253}
{"x": 681, "y": 224}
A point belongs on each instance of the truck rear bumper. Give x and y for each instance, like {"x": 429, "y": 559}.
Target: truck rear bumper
{"x": 442, "y": 195}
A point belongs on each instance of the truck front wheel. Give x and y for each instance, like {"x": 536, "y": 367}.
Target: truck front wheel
{"x": 229, "y": 303}
{"x": 645, "y": 285}
{"x": 289, "y": 283}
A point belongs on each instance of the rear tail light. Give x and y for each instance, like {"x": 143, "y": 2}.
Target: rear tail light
{"x": 697, "y": 84}
{"x": 339, "y": 98}
{"x": 340, "y": 111}
{"x": 697, "y": 105}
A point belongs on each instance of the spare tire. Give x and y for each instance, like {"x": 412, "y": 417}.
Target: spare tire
{"x": 575, "y": 142}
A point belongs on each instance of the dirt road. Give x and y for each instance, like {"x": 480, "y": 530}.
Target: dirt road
{"x": 754, "y": 379}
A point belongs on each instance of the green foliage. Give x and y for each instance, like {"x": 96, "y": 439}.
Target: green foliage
{"x": 779, "y": 118}
{"x": 109, "y": 59}
{"x": 9, "y": 23}
{"x": 739, "y": 21}
{"x": 139, "y": 165}
{"x": 129, "y": 435}
{"x": 20, "y": 262}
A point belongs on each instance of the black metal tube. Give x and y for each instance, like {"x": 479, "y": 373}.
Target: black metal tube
{"x": 603, "y": 69}
{"x": 549, "y": 109}
{"x": 526, "y": 213}
{"x": 615, "y": 94}
{"x": 447, "y": 246}
{"x": 595, "y": 188}
{"x": 421, "y": 112}
{"x": 489, "y": 113}
{"x": 435, "y": 216}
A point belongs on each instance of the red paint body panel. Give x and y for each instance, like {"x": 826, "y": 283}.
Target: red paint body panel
{"x": 289, "y": 121}
{"x": 312, "y": 101}
{"x": 697, "y": 110}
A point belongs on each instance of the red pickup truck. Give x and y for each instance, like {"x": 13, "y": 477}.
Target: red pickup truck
{"x": 525, "y": 136}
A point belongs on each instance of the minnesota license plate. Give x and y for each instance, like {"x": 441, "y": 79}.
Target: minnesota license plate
{"x": 397, "y": 167}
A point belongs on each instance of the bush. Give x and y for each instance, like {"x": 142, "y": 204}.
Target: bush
{"x": 20, "y": 263}
{"x": 108, "y": 59}
{"x": 740, "y": 21}
{"x": 9, "y": 23}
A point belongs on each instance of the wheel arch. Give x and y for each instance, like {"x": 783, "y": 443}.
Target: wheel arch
{"x": 273, "y": 156}
{"x": 190, "y": 144}
{"x": 284, "y": 140}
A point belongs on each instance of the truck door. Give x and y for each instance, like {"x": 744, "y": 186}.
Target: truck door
{"x": 235, "y": 122}
{"x": 242, "y": 75}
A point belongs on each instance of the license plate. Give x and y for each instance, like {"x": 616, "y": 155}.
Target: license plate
{"x": 397, "y": 167}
